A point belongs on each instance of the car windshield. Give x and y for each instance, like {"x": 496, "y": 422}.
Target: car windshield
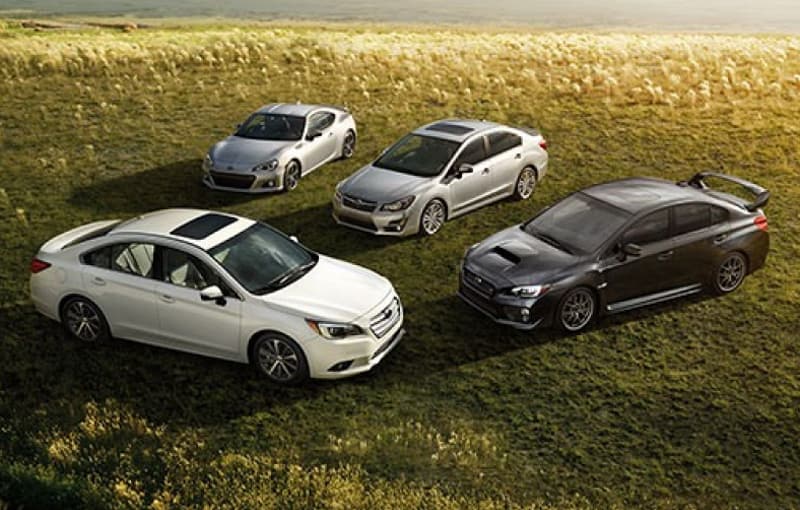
{"x": 266, "y": 126}
{"x": 577, "y": 223}
{"x": 263, "y": 260}
{"x": 424, "y": 156}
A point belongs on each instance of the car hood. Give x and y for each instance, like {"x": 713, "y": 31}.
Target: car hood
{"x": 513, "y": 257}
{"x": 381, "y": 185}
{"x": 245, "y": 153}
{"x": 333, "y": 290}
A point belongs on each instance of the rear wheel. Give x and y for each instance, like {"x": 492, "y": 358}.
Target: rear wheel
{"x": 292, "y": 176}
{"x": 84, "y": 320}
{"x": 349, "y": 145}
{"x": 280, "y": 359}
{"x": 730, "y": 273}
{"x": 433, "y": 217}
{"x": 526, "y": 184}
{"x": 576, "y": 310}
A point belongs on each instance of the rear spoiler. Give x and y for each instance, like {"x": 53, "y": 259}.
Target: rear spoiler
{"x": 761, "y": 194}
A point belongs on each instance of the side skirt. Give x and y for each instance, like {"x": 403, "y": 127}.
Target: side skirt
{"x": 651, "y": 299}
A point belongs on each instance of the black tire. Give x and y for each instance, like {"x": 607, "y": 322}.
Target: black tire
{"x": 292, "y": 175}
{"x": 729, "y": 274}
{"x": 525, "y": 184}
{"x": 84, "y": 321}
{"x": 577, "y": 310}
{"x": 349, "y": 144}
{"x": 433, "y": 216}
{"x": 280, "y": 359}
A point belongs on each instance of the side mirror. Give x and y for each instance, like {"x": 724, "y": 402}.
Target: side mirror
{"x": 236, "y": 128}
{"x": 634, "y": 250}
{"x": 465, "y": 169}
{"x": 313, "y": 135}
{"x": 213, "y": 293}
{"x": 294, "y": 238}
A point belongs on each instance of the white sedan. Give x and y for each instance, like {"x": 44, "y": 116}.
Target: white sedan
{"x": 219, "y": 285}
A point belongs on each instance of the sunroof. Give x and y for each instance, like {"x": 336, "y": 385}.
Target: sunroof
{"x": 203, "y": 226}
{"x": 453, "y": 129}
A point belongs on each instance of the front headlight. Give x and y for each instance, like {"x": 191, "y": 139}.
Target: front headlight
{"x": 468, "y": 250}
{"x": 334, "y": 330}
{"x": 338, "y": 191}
{"x": 530, "y": 291}
{"x": 208, "y": 163}
{"x": 266, "y": 167}
{"x": 398, "y": 205}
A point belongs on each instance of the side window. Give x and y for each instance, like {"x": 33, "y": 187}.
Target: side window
{"x": 653, "y": 227}
{"x": 474, "y": 152}
{"x": 502, "y": 141}
{"x": 134, "y": 258}
{"x": 100, "y": 257}
{"x": 718, "y": 215}
{"x": 184, "y": 270}
{"x": 320, "y": 121}
{"x": 691, "y": 217}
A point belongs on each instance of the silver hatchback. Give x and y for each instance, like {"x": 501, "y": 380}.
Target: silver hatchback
{"x": 438, "y": 172}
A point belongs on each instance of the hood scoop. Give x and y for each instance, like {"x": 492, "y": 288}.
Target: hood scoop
{"x": 506, "y": 254}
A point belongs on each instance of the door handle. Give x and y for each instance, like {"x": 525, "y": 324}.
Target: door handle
{"x": 720, "y": 238}
{"x": 98, "y": 281}
{"x": 485, "y": 171}
{"x": 518, "y": 156}
{"x": 666, "y": 255}
{"x": 167, "y": 298}
{"x": 330, "y": 134}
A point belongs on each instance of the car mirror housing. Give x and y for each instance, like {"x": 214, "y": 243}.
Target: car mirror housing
{"x": 212, "y": 293}
{"x": 632, "y": 249}
{"x": 465, "y": 169}
{"x": 313, "y": 135}
{"x": 294, "y": 238}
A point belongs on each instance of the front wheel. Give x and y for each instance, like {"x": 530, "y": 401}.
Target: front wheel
{"x": 292, "y": 176}
{"x": 433, "y": 217}
{"x": 349, "y": 145}
{"x": 576, "y": 310}
{"x": 730, "y": 273}
{"x": 84, "y": 321}
{"x": 526, "y": 183}
{"x": 280, "y": 359}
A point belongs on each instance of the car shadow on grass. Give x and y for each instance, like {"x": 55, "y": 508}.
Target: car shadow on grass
{"x": 175, "y": 184}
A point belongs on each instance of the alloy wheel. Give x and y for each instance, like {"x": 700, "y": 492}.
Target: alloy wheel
{"x": 278, "y": 359}
{"x": 577, "y": 310}
{"x": 731, "y": 272}
{"x": 433, "y": 217}
{"x": 292, "y": 176}
{"x": 526, "y": 183}
{"x": 349, "y": 145}
{"x": 83, "y": 321}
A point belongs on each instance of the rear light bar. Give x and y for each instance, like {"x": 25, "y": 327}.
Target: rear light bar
{"x": 37, "y": 266}
{"x": 761, "y": 222}
{"x": 543, "y": 144}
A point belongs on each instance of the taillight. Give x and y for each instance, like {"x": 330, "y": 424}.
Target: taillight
{"x": 543, "y": 144}
{"x": 761, "y": 222}
{"x": 37, "y": 266}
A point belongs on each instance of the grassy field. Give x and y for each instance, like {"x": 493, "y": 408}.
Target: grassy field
{"x": 689, "y": 405}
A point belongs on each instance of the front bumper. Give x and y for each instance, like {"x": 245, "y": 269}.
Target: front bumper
{"x": 520, "y": 313}
{"x": 244, "y": 182}
{"x": 377, "y": 222}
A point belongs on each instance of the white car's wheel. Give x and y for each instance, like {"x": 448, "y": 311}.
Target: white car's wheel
{"x": 526, "y": 184}
{"x": 433, "y": 217}
{"x": 291, "y": 178}
{"x": 84, "y": 321}
{"x": 280, "y": 359}
{"x": 349, "y": 145}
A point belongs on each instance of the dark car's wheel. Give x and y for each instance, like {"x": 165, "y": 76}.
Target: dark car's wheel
{"x": 83, "y": 320}
{"x": 280, "y": 359}
{"x": 291, "y": 176}
{"x": 576, "y": 310}
{"x": 349, "y": 145}
{"x": 433, "y": 217}
{"x": 730, "y": 273}
{"x": 526, "y": 184}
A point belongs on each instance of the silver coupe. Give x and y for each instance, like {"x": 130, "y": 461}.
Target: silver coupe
{"x": 440, "y": 171}
{"x": 277, "y": 145}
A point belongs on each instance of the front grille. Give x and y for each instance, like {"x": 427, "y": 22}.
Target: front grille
{"x": 479, "y": 300}
{"x": 241, "y": 181}
{"x": 477, "y": 283}
{"x": 387, "y": 319}
{"x": 358, "y": 222}
{"x": 358, "y": 203}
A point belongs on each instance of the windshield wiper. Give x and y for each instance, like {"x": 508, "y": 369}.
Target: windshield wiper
{"x": 551, "y": 241}
{"x": 287, "y": 277}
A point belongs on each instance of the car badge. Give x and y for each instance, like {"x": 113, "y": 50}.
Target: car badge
{"x": 230, "y": 168}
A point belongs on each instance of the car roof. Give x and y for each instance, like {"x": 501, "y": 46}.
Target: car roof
{"x": 456, "y": 130}
{"x": 640, "y": 194}
{"x": 293, "y": 109}
{"x": 204, "y": 229}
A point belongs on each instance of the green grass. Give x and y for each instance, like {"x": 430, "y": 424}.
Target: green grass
{"x": 691, "y": 404}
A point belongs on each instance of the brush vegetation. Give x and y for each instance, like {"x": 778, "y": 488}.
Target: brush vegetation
{"x": 688, "y": 405}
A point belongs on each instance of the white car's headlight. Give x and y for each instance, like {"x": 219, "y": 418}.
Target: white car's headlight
{"x": 338, "y": 191}
{"x": 398, "y": 205}
{"x": 530, "y": 291}
{"x": 266, "y": 167}
{"x": 334, "y": 330}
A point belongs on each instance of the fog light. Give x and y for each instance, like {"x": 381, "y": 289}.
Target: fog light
{"x": 517, "y": 314}
{"x": 341, "y": 366}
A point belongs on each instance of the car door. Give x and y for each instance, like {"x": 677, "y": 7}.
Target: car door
{"x": 629, "y": 276}
{"x": 697, "y": 229}
{"x": 185, "y": 320}
{"x": 505, "y": 160}
{"x": 468, "y": 190}
{"x": 119, "y": 278}
{"x": 321, "y": 142}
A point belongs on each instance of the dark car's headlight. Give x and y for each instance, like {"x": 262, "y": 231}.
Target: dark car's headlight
{"x": 334, "y": 330}
{"x": 266, "y": 167}
{"x": 399, "y": 205}
{"x": 529, "y": 291}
